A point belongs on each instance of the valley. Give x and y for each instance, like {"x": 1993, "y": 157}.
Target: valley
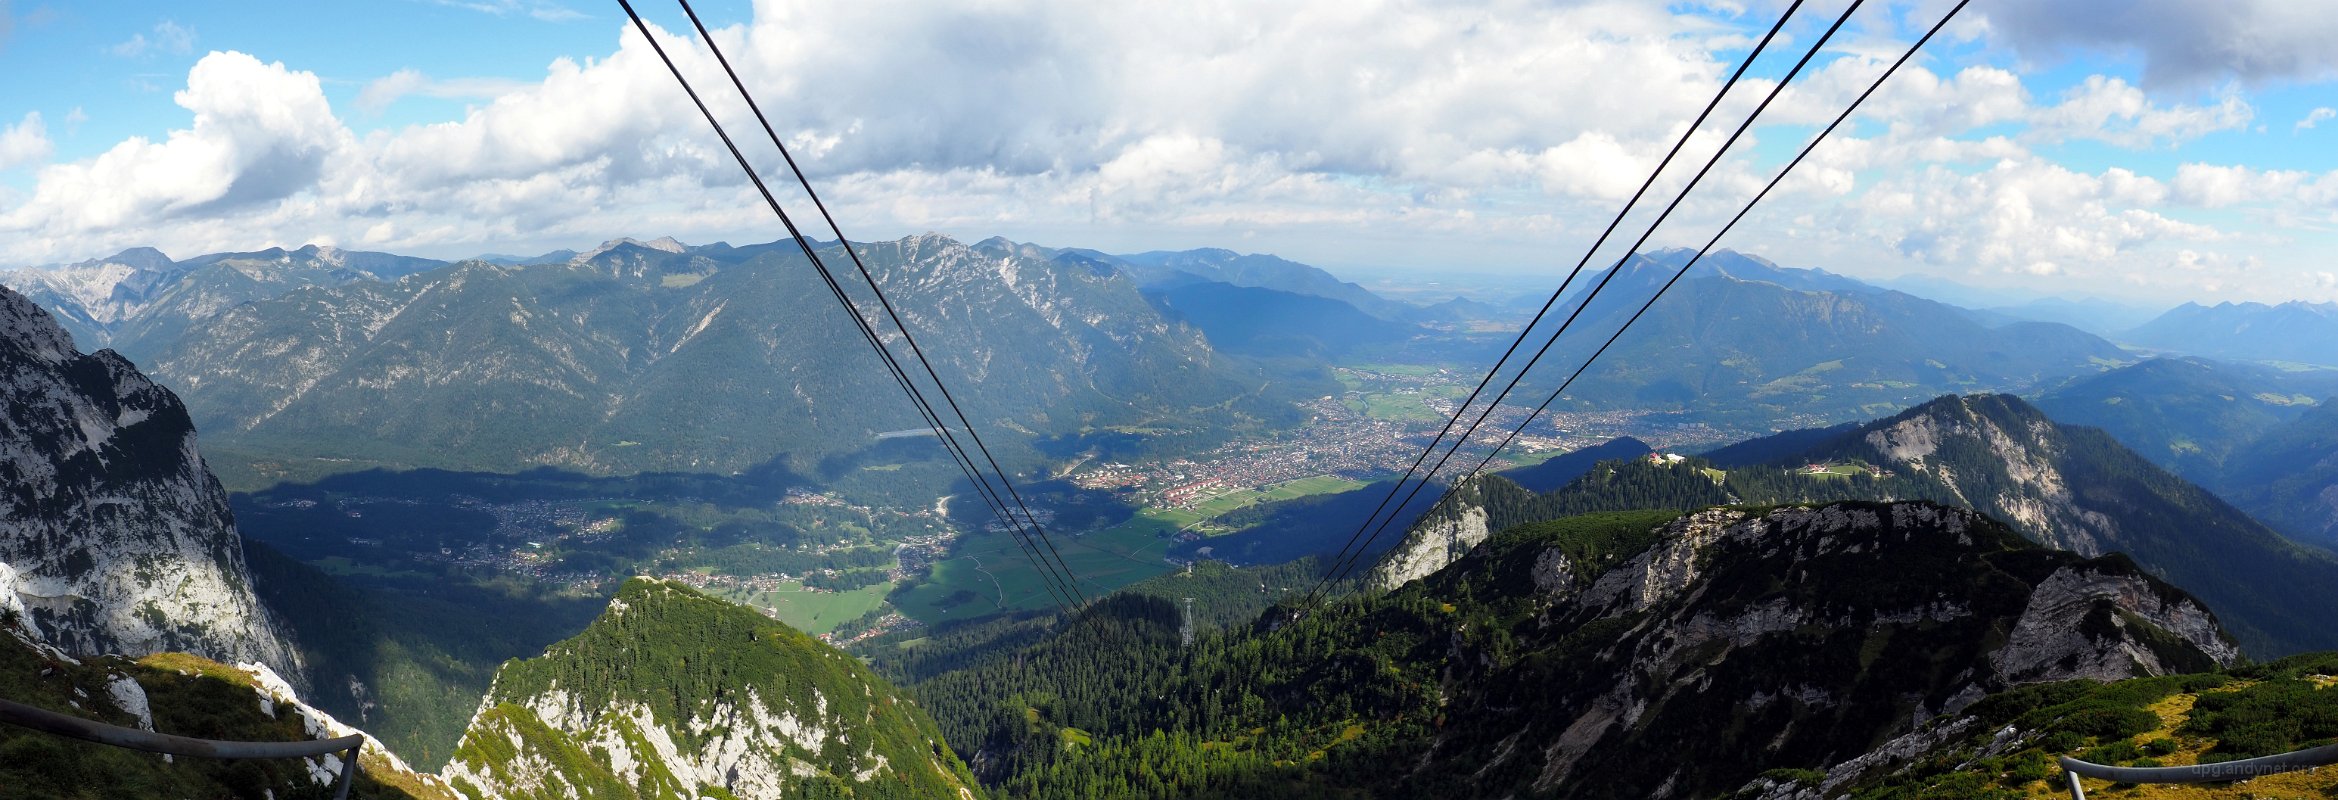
{"x": 862, "y": 537}
{"x": 915, "y": 400}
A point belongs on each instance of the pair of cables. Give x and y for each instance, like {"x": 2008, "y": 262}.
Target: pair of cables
{"x": 994, "y": 485}
{"x": 1359, "y": 544}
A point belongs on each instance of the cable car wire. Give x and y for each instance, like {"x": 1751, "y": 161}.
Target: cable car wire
{"x": 1341, "y": 569}
{"x": 1684, "y": 269}
{"x": 837, "y": 290}
{"x": 906, "y": 336}
{"x": 1496, "y": 370}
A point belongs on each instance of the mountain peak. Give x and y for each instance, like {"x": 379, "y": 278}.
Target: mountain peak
{"x": 140, "y": 257}
{"x": 663, "y": 244}
{"x": 26, "y": 327}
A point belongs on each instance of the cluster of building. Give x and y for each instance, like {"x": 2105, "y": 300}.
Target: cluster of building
{"x": 706, "y": 582}
{"x": 890, "y": 622}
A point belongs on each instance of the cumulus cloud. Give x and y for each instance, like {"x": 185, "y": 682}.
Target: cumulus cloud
{"x": 2183, "y": 43}
{"x": 1492, "y": 123}
{"x": 2110, "y": 110}
{"x": 2026, "y": 215}
{"x": 261, "y": 133}
{"x": 26, "y": 142}
{"x": 2217, "y": 186}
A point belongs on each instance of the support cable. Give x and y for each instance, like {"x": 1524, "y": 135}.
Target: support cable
{"x": 1709, "y": 243}
{"x": 1491, "y": 373}
{"x": 1340, "y": 570}
{"x": 868, "y": 333}
{"x": 906, "y": 336}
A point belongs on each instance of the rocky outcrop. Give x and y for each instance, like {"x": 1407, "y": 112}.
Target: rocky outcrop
{"x": 2077, "y": 489}
{"x": 2078, "y": 625}
{"x": 1729, "y": 641}
{"x": 114, "y": 536}
{"x": 1457, "y": 523}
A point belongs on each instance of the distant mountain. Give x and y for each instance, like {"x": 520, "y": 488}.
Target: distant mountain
{"x": 1564, "y": 469}
{"x": 2188, "y": 414}
{"x": 1166, "y": 267}
{"x": 1610, "y": 655}
{"x": 638, "y": 357}
{"x": 139, "y": 299}
{"x": 117, "y": 538}
{"x": 2293, "y": 331}
{"x": 1752, "y": 353}
{"x": 1943, "y": 290}
{"x": 1251, "y": 321}
{"x": 90, "y": 298}
{"x": 2093, "y": 314}
{"x": 675, "y": 694}
{"x": 1744, "y": 267}
{"x": 2288, "y": 477}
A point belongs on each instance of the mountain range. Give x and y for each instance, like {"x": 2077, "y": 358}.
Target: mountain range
{"x": 1750, "y": 344}
{"x": 2295, "y": 331}
{"x": 624, "y": 358}
{"x": 1672, "y": 628}
{"x": 2258, "y": 436}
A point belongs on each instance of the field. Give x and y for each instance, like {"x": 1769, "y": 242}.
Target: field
{"x": 1836, "y": 471}
{"x": 986, "y": 572}
{"x": 1395, "y": 407}
{"x": 809, "y": 611}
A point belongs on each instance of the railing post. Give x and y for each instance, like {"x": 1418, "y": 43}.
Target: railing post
{"x": 2077, "y": 792}
{"x": 348, "y": 771}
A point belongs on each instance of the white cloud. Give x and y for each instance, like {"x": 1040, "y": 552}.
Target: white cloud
{"x": 2182, "y": 42}
{"x": 261, "y": 134}
{"x": 2110, "y": 110}
{"x": 2315, "y": 117}
{"x": 2217, "y": 186}
{"x": 170, "y": 38}
{"x": 2027, "y": 215}
{"x": 544, "y": 10}
{"x": 1496, "y": 124}
{"x": 26, "y": 142}
{"x": 379, "y": 94}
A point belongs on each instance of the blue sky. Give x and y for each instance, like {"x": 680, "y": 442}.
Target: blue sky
{"x": 2152, "y": 149}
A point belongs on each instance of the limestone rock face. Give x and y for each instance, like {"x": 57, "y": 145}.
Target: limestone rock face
{"x": 1449, "y": 530}
{"x": 114, "y": 536}
{"x": 1815, "y": 631}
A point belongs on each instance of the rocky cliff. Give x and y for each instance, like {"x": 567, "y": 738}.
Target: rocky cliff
{"x": 114, "y": 537}
{"x": 1678, "y": 661}
{"x": 1456, "y": 524}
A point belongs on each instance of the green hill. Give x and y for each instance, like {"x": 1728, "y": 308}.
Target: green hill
{"x": 673, "y": 694}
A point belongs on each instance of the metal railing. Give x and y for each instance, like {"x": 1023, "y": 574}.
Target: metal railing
{"x": 47, "y": 721}
{"x": 2219, "y": 772}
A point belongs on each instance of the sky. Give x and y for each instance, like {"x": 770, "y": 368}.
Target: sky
{"x": 2145, "y": 150}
